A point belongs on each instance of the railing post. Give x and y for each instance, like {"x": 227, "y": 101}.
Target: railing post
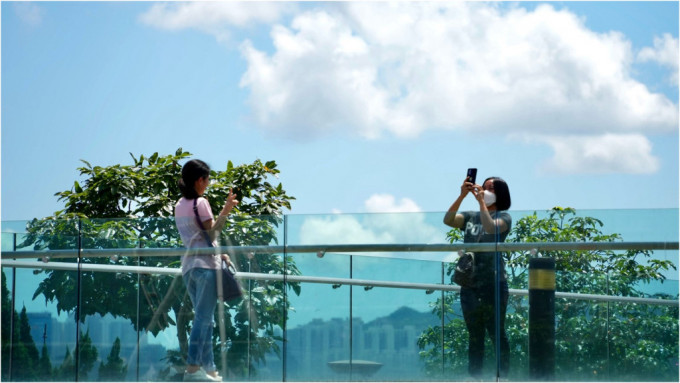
{"x": 285, "y": 299}
{"x": 542, "y": 319}
{"x": 11, "y": 317}
{"x": 442, "y": 317}
{"x": 79, "y": 300}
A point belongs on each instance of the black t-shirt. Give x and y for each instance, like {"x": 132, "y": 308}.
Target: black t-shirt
{"x": 473, "y": 232}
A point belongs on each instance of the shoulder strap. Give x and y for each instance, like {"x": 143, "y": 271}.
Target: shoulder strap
{"x": 200, "y": 224}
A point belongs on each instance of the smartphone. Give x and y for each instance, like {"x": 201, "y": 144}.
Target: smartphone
{"x": 472, "y": 175}
{"x": 237, "y": 193}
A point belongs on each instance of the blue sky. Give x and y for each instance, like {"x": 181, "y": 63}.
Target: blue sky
{"x": 376, "y": 107}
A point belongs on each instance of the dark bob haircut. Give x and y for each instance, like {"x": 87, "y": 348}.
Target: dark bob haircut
{"x": 502, "y": 193}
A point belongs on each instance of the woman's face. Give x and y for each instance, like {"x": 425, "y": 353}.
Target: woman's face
{"x": 489, "y": 195}
{"x": 488, "y": 185}
{"x": 202, "y": 184}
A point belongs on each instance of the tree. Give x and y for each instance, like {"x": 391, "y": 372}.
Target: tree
{"x": 87, "y": 355}
{"x": 44, "y": 365}
{"x": 24, "y": 354}
{"x": 128, "y": 206}
{"x": 115, "y": 368}
{"x": 67, "y": 370}
{"x": 26, "y": 365}
{"x": 593, "y": 340}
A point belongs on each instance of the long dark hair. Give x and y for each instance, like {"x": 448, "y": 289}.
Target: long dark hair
{"x": 502, "y": 192}
{"x": 191, "y": 172}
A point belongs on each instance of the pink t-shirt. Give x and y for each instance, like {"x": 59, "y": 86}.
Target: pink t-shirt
{"x": 192, "y": 236}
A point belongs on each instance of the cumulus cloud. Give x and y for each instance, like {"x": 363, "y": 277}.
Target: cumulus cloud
{"x": 30, "y": 13}
{"x": 608, "y": 153}
{"x": 340, "y": 229}
{"x": 665, "y": 52}
{"x": 387, "y": 222}
{"x": 215, "y": 18}
{"x": 371, "y": 69}
{"x": 386, "y": 203}
{"x": 402, "y": 68}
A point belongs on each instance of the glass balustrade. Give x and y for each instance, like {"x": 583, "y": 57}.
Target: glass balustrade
{"x": 341, "y": 297}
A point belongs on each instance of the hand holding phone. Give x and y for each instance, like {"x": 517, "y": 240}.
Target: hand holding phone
{"x": 471, "y": 175}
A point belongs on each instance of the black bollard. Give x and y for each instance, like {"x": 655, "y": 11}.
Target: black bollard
{"x": 542, "y": 319}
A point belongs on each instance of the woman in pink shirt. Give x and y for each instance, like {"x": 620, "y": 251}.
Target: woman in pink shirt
{"x": 199, "y": 268}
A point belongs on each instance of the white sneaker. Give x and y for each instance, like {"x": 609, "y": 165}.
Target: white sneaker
{"x": 199, "y": 376}
{"x": 216, "y": 378}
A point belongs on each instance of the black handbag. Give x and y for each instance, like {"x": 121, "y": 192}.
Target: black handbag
{"x": 229, "y": 287}
{"x": 464, "y": 273}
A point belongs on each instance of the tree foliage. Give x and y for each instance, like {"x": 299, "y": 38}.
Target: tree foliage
{"x": 115, "y": 368}
{"x": 594, "y": 340}
{"x": 130, "y": 206}
{"x": 17, "y": 342}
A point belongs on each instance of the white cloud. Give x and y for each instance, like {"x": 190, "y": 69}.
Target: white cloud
{"x": 387, "y": 222}
{"x": 340, "y": 229}
{"x": 30, "y": 13}
{"x": 214, "y": 17}
{"x": 372, "y": 69}
{"x": 386, "y": 203}
{"x": 665, "y": 52}
{"x": 402, "y": 68}
{"x": 609, "y": 153}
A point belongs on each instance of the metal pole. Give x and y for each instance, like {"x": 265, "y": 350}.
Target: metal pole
{"x": 250, "y": 292}
{"x": 11, "y": 317}
{"x": 139, "y": 309}
{"x": 497, "y": 307}
{"x": 542, "y": 319}
{"x": 80, "y": 296}
{"x": 285, "y": 298}
{"x": 352, "y": 248}
{"x": 443, "y": 314}
{"x": 351, "y": 289}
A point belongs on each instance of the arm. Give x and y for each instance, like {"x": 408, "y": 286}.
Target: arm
{"x": 490, "y": 225}
{"x": 452, "y": 218}
{"x": 213, "y": 227}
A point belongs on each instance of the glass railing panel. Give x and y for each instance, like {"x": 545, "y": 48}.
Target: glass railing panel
{"x": 388, "y": 321}
{"x": 318, "y": 329}
{"x": 637, "y": 224}
{"x": 255, "y": 324}
{"x": 110, "y": 310}
{"x": 346, "y": 313}
{"x": 163, "y": 324}
{"x": 583, "y": 327}
{"x": 44, "y": 346}
{"x": 8, "y": 316}
{"x": 109, "y": 300}
{"x": 387, "y": 228}
{"x": 643, "y": 339}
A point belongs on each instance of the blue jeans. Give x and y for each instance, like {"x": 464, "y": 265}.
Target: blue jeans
{"x": 202, "y": 288}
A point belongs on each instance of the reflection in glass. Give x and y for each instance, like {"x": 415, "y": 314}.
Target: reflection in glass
{"x": 131, "y": 326}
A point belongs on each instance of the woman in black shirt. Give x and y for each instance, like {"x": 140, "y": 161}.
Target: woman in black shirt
{"x": 491, "y": 224}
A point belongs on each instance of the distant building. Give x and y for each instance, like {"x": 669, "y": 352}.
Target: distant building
{"x": 390, "y": 341}
{"x": 58, "y": 335}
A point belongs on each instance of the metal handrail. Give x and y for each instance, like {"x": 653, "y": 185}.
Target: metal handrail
{"x": 428, "y": 287}
{"x": 347, "y": 248}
